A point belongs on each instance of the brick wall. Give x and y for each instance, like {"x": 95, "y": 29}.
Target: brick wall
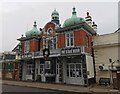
{"x": 33, "y": 45}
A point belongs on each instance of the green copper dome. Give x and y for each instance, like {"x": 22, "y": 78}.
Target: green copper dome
{"x": 73, "y": 20}
{"x": 33, "y": 32}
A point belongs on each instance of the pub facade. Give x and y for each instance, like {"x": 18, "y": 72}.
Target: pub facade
{"x": 60, "y": 54}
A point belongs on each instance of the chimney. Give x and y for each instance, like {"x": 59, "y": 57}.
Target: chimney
{"x": 88, "y": 19}
{"x": 94, "y": 26}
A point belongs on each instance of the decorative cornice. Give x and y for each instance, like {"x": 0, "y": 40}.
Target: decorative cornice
{"x": 77, "y": 26}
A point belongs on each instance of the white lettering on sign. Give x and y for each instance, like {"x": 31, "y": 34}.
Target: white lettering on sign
{"x": 74, "y": 50}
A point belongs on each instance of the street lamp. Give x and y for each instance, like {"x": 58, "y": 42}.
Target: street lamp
{"x": 110, "y": 60}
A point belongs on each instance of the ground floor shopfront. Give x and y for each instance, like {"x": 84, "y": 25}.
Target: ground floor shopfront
{"x": 116, "y": 78}
{"x": 10, "y": 70}
{"x": 68, "y": 68}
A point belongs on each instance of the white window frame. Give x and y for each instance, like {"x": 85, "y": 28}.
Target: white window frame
{"x": 42, "y": 69}
{"x": 52, "y": 40}
{"x": 27, "y": 46}
{"x": 69, "y": 39}
{"x": 54, "y": 43}
{"x": 75, "y": 69}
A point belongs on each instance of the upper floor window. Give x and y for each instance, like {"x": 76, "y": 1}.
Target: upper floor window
{"x": 27, "y": 46}
{"x": 69, "y": 39}
{"x": 87, "y": 41}
{"x": 50, "y": 43}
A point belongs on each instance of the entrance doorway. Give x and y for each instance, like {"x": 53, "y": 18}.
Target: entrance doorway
{"x": 29, "y": 73}
{"x": 58, "y": 73}
{"x": 42, "y": 72}
{"x": 118, "y": 77}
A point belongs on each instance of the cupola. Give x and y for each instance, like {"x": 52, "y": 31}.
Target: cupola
{"x": 55, "y": 17}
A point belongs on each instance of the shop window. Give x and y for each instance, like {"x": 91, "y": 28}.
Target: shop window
{"x": 69, "y": 39}
{"x": 41, "y": 68}
{"x": 67, "y": 70}
{"x": 78, "y": 70}
{"x": 47, "y": 65}
{"x": 74, "y": 70}
{"x": 29, "y": 69}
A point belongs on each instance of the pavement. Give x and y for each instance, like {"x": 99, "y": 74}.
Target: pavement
{"x": 63, "y": 87}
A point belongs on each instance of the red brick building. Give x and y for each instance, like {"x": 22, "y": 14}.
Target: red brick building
{"x": 9, "y": 66}
{"x": 69, "y": 48}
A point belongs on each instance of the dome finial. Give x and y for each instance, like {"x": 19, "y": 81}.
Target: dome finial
{"x": 87, "y": 13}
{"x": 74, "y": 12}
{"x": 34, "y": 24}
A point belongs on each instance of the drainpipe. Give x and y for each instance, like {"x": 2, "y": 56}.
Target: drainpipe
{"x": 93, "y": 62}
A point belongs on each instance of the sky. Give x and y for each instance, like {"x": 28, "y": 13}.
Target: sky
{"x": 18, "y": 17}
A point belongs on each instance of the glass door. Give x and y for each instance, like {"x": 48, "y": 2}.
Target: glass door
{"x": 42, "y": 73}
{"x": 58, "y": 72}
{"x": 29, "y": 73}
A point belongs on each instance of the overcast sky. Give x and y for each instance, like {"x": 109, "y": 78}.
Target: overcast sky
{"x": 18, "y": 17}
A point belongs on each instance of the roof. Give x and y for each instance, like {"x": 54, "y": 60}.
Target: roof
{"x": 80, "y": 25}
{"x": 73, "y": 20}
{"x": 33, "y": 32}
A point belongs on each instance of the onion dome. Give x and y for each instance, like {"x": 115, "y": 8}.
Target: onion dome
{"x": 33, "y": 32}
{"x": 73, "y": 20}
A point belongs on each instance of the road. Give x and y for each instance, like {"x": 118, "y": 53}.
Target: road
{"x": 12, "y": 89}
